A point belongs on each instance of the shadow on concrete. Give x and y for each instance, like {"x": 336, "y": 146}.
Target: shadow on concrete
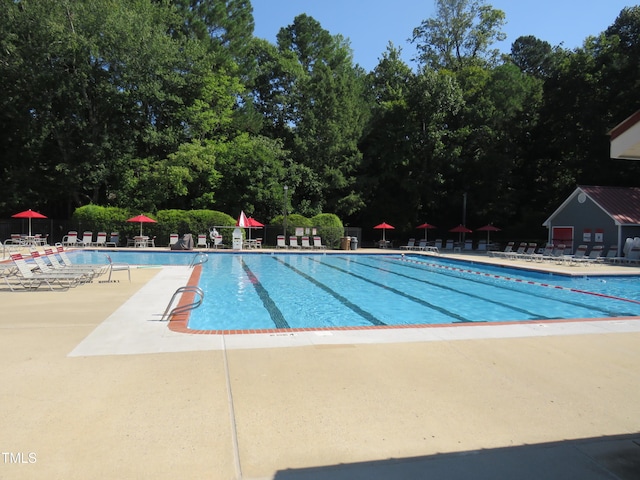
{"x": 606, "y": 458}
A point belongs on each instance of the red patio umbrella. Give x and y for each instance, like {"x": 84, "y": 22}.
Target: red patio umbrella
{"x": 488, "y": 228}
{"x": 384, "y": 226}
{"x": 425, "y": 226}
{"x": 142, "y": 219}
{"x": 28, "y": 214}
{"x": 253, "y": 223}
{"x": 460, "y": 229}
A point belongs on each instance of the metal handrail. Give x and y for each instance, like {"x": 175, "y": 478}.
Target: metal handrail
{"x": 199, "y": 259}
{"x": 184, "y": 308}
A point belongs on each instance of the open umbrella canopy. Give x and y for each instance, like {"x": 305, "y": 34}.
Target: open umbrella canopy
{"x": 460, "y": 229}
{"x": 384, "y": 226}
{"x": 488, "y": 228}
{"x": 29, "y": 214}
{"x": 141, "y": 219}
{"x": 425, "y": 226}
{"x": 253, "y": 223}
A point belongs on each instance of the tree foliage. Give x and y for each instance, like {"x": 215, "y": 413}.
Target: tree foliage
{"x": 155, "y": 105}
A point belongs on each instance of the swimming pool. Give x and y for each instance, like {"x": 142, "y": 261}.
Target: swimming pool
{"x": 279, "y": 291}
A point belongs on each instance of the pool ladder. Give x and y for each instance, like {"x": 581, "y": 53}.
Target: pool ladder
{"x": 199, "y": 259}
{"x": 168, "y": 313}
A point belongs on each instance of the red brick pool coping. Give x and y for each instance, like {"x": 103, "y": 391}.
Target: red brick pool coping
{"x": 179, "y": 322}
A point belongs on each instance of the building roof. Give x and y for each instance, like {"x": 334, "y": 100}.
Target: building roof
{"x": 625, "y": 138}
{"x": 622, "y": 204}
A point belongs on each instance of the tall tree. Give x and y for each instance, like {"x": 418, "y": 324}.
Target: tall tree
{"x": 326, "y": 115}
{"x": 461, "y": 34}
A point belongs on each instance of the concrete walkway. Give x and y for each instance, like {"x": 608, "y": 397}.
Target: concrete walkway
{"x": 86, "y": 395}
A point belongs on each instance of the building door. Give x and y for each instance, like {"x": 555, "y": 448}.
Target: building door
{"x": 563, "y": 235}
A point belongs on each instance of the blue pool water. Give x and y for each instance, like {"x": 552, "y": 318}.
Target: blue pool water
{"x": 262, "y": 291}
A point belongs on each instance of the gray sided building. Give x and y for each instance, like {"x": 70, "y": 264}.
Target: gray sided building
{"x": 594, "y": 215}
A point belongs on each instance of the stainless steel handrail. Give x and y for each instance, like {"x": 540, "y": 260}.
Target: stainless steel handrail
{"x": 168, "y": 313}
{"x": 199, "y": 259}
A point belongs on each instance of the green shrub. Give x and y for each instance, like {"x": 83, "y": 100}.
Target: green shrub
{"x": 95, "y": 218}
{"x": 329, "y": 227}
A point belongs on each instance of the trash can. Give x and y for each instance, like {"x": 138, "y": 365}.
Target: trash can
{"x": 345, "y": 243}
{"x": 354, "y": 243}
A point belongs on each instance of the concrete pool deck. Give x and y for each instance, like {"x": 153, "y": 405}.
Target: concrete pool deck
{"x": 95, "y": 387}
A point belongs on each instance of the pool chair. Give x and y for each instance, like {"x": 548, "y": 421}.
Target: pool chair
{"x": 304, "y": 243}
{"x": 217, "y": 241}
{"x": 70, "y": 239}
{"x": 60, "y": 265}
{"x": 612, "y": 255}
{"x": 173, "y": 239}
{"x": 30, "y": 280}
{"x": 118, "y": 267}
{"x": 578, "y": 257}
{"x": 101, "y": 239}
{"x": 422, "y": 245}
{"x": 317, "y": 243}
{"x": 293, "y": 242}
{"x": 51, "y": 266}
{"x": 448, "y": 245}
{"x": 482, "y": 246}
{"x": 87, "y": 239}
{"x": 438, "y": 244}
{"x": 202, "y": 241}
{"x": 280, "y": 242}
{"x": 507, "y": 250}
{"x": 547, "y": 253}
{"x": 595, "y": 255}
{"x": 517, "y": 253}
{"x": 114, "y": 239}
{"x": 411, "y": 244}
{"x": 468, "y": 245}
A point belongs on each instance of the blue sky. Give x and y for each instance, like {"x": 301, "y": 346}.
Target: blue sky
{"x": 371, "y": 24}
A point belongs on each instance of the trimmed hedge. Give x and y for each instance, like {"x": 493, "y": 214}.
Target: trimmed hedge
{"x": 96, "y": 218}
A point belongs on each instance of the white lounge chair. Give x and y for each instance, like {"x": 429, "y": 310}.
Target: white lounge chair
{"x": 114, "y": 239}
{"x": 48, "y": 269}
{"x": 30, "y": 280}
{"x": 507, "y": 250}
{"x": 304, "y": 243}
{"x": 317, "y": 243}
{"x": 202, "y": 241}
{"x": 70, "y": 239}
{"x": 612, "y": 255}
{"x": 101, "y": 239}
{"x": 293, "y": 242}
{"x": 280, "y": 242}
{"x": 173, "y": 238}
{"x": 87, "y": 239}
{"x": 422, "y": 245}
{"x": 93, "y": 270}
{"x": 411, "y": 243}
{"x": 217, "y": 241}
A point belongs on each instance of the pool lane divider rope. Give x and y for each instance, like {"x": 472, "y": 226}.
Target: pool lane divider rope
{"x": 533, "y": 315}
{"x": 400, "y": 293}
{"x": 517, "y": 280}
